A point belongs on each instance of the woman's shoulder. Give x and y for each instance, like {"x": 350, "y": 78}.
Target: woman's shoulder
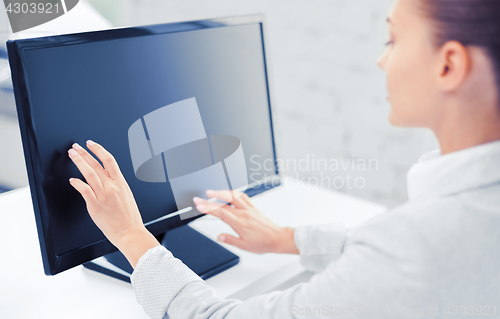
{"x": 454, "y": 228}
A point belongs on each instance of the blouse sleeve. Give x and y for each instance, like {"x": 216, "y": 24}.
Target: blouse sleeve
{"x": 319, "y": 245}
{"x": 374, "y": 271}
{"x": 159, "y": 277}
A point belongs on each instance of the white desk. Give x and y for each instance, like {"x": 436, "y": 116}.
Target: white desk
{"x": 25, "y": 292}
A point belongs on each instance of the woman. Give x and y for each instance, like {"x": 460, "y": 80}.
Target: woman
{"x": 437, "y": 255}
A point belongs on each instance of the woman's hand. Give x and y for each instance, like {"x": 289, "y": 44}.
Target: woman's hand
{"x": 256, "y": 232}
{"x": 110, "y": 202}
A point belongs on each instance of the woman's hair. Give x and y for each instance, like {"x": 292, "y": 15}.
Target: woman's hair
{"x": 470, "y": 22}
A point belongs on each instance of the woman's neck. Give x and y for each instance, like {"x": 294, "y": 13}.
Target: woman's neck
{"x": 460, "y": 132}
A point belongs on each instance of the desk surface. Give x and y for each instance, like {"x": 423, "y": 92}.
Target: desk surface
{"x": 25, "y": 291}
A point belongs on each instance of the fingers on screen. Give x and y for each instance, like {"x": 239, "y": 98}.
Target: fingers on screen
{"x": 223, "y": 212}
{"x": 107, "y": 160}
{"x": 84, "y": 189}
{"x": 238, "y": 199}
{"x": 92, "y": 162}
{"x": 87, "y": 171}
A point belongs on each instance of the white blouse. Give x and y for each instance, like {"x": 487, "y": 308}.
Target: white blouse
{"x": 437, "y": 255}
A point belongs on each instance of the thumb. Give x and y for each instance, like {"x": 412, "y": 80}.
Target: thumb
{"x": 232, "y": 240}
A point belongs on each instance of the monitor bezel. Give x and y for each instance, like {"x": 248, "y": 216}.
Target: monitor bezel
{"x": 52, "y": 262}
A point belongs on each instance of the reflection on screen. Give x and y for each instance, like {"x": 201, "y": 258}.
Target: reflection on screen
{"x": 98, "y": 90}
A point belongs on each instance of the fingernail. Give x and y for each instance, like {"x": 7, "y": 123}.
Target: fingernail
{"x": 71, "y": 179}
{"x": 200, "y": 207}
{"x": 222, "y": 238}
{"x": 210, "y": 192}
{"x": 196, "y": 199}
{"x": 77, "y": 147}
{"x": 90, "y": 142}
{"x": 72, "y": 152}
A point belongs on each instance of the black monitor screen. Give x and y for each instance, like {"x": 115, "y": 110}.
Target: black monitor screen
{"x": 98, "y": 86}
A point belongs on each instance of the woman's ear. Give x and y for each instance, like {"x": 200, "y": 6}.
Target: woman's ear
{"x": 453, "y": 65}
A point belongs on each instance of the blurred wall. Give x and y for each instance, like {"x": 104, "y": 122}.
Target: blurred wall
{"x": 330, "y": 95}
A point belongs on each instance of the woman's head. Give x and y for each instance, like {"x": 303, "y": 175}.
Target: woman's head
{"x": 443, "y": 60}
{"x": 470, "y": 22}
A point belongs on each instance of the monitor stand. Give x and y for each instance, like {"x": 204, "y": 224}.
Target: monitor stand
{"x": 201, "y": 254}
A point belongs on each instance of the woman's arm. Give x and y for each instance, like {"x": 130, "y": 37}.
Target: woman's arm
{"x": 165, "y": 287}
{"x": 112, "y": 207}
{"x": 381, "y": 268}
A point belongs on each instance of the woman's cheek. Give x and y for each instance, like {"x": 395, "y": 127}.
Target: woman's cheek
{"x": 403, "y": 84}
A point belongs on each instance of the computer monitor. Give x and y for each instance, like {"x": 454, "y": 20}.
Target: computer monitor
{"x": 109, "y": 85}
